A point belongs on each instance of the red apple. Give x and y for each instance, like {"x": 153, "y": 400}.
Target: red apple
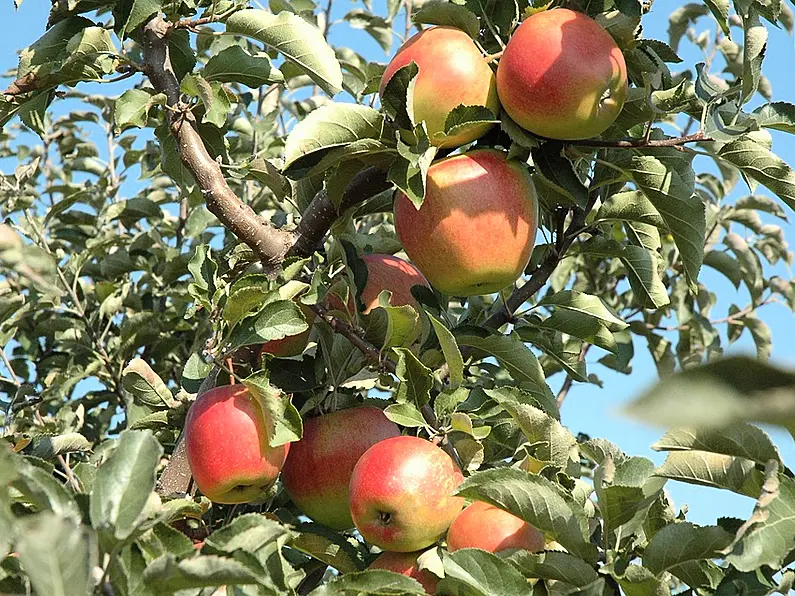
{"x": 562, "y": 76}
{"x": 385, "y": 272}
{"x": 406, "y": 563}
{"x": 452, "y": 71}
{"x": 490, "y": 528}
{"x": 226, "y": 442}
{"x": 401, "y": 494}
{"x": 318, "y": 470}
{"x": 292, "y": 345}
{"x": 476, "y": 228}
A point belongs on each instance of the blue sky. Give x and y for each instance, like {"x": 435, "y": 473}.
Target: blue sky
{"x": 588, "y": 408}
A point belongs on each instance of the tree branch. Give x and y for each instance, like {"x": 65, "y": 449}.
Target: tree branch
{"x": 268, "y": 243}
{"x": 641, "y": 143}
{"x": 321, "y": 213}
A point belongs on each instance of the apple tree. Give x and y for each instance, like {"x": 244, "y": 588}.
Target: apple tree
{"x": 201, "y": 204}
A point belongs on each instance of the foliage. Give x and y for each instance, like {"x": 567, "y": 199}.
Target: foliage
{"x": 122, "y": 293}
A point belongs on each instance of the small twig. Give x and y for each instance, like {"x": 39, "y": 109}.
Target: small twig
{"x": 194, "y": 23}
{"x": 641, "y": 143}
{"x": 492, "y": 57}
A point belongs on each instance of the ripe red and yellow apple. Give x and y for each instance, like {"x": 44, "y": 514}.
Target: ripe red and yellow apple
{"x": 384, "y": 272}
{"x": 490, "y": 528}
{"x": 452, "y": 72}
{"x": 291, "y": 345}
{"x": 226, "y": 442}
{"x": 401, "y": 494}
{"x": 319, "y": 467}
{"x": 475, "y": 230}
{"x": 406, "y": 564}
{"x": 562, "y": 76}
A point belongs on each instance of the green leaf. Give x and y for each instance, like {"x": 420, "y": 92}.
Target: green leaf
{"x": 754, "y": 48}
{"x": 643, "y": 271}
{"x": 49, "y": 447}
{"x": 536, "y": 500}
{"x": 683, "y": 542}
{"x": 376, "y": 582}
{"x": 554, "y": 443}
{"x": 554, "y": 169}
{"x": 639, "y": 581}
{"x": 447, "y": 14}
{"x": 410, "y": 170}
{"x": 235, "y": 65}
{"x": 416, "y": 380}
{"x": 183, "y": 58}
{"x": 585, "y": 304}
{"x": 330, "y": 126}
{"x": 555, "y": 565}
{"x": 757, "y": 162}
{"x": 712, "y": 469}
{"x": 725, "y": 391}
{"x": 39, "y": 488}
{"x": 405, "y": 414}
{"x": 297, "y": 40}
{"x": 330, "y": 547}
{"x": 145, "y": 385}
{"x": 284, "y": 421}
{"x": 720, "y": 10}
{"x": 250, "y": 532}
{"x": 779, "y": 115}
{"x": 393, "y": 326}
{"x": 726, "y": 264}
{"x": 58, "y": 555}
{"x": 278, "y": 319}
{"x": 124, "y": 484}
{"x": 512, "y": 354}
{"x": 213, "y": 97}
{"x": 247, "y": 293}
{"x": 463, "y": 117}
{"x": 769, "y": 535}
{"x": 452, "y": 355}
{"x": 165, "y": 575}
{"x": 682, "y": 18}
{"x": 130, "y": 14}
{"x": 666, "y": 177}
{"x": 132, "y": 109}
{"x": 474, "y": 571}
{"x": 738, "y": 440}
{"x": 397, "y": 98}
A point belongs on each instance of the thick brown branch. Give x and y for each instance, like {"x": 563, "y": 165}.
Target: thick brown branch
{"x": 641, "y": 143}
{"x": 321, "y": 213}
{"x": 268, "y": 243}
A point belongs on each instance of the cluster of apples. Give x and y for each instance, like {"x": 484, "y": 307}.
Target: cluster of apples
{"x": 561, "y": 76}
{"x": 352, "y": 468}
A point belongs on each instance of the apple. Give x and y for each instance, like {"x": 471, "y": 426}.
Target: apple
{"x": 291, "y": 345}
{"x": 226, "y": 443}
{"x": 319, "y": 467}
{"x": 384, "y": 272}
{"x": 562, "y": 76}
{"x": 452, "y": 71}
{"x": 406, "y": 563}
{"x": 401, "y": 494}
{"x": 490, "y": 528}
{"x": 387, "y": 272}
{"x": 475, "y": 230}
